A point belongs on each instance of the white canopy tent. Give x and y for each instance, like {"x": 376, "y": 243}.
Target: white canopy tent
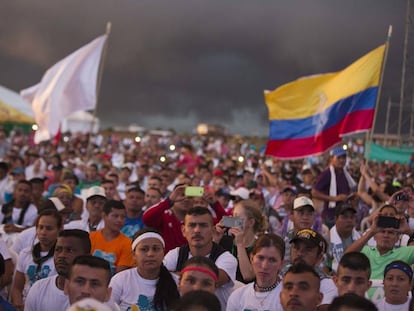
{"x": 80, "y": 122}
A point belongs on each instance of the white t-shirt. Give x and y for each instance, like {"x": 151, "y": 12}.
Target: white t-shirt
{"x": 83, "y": 224}
{"x": 245, "y": 298}
{"x": 226, "y": 262}
{"x": 26, "y": 266}
{"x": 130, "y": 289}
{"x": 28, "y": 219}
{"x": 45, "y": 296}
{"x": 4, "y": 251}
{"x": 26, "y": 238}
{"x": 382, "y": 305}
{"x": 329, "y": 291}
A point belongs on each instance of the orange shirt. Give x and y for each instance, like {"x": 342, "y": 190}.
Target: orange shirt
{"x": 117, "y": 251}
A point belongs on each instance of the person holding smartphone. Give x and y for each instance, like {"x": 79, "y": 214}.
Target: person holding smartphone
{"x": 384, "y": 252}
{"x": 242, "y": 239}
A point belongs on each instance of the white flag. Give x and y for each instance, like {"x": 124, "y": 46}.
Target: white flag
{"x": 67, "y": 87}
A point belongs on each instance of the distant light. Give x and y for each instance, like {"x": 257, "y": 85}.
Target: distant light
{"x": 172, "y": 147}
{"x": 162, "y": 159}
{"x": 240, "y": 159}
{"x": 137, "y": 139}
{"x": 345, "y": 147}
{"x": 66, "y": 139}
{"x": 35, "y": 127}
{"x": 202, "y": 129}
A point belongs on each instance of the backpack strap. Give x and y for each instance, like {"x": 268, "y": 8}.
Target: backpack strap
{"x": 182, "y": 257}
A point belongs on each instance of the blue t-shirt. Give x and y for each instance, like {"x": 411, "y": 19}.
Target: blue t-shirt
{"x": 132, "y": 225}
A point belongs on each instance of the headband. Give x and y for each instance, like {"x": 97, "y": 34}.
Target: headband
{"x": 147, "y": 235}
{"x": 202, "y": 270}
{"x": 401, "y": 267}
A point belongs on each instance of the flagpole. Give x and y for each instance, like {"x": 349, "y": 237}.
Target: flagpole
{"x": 99, "y": 81}
{"x": 370, "y": 133}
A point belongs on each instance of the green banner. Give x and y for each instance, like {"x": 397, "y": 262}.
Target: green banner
{"x": 393, "y": 154}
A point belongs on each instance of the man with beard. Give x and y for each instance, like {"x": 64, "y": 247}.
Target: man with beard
{"x": 198, "y": 230}
{"x": 309, "y": 247}
{"x": 47, "y": 294}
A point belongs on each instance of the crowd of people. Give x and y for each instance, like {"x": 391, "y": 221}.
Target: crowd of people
{"x": 200, "y": 223}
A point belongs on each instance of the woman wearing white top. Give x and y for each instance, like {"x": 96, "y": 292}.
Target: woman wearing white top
{"x": 263, "y": 294}
{"x": 36, "y": 262}
{"x": 149, "y": 286}
{"x": 397, "y": 284}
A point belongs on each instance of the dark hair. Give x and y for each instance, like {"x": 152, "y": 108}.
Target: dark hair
{"x": 23, "y": 182}
{"x": 110, "y": 204}
{"x": 301, "y": 267}
{"x": 37, "y": 181}
{"x": 155, "y": 189}
{"x": 50, "y": 212}
{"x": 94, "y": 165}
{"x": 388, "y": 206}
{"x": 166, "y": 292}
{"x": 81, "y": 235}
{"x": 135, "y": 189}
{"x": 352, "y": 301}
{"x": 71, "y": 176}
{"x": 2, "y": 265}
{"x": 107, "y": 181}
{"x": 199, "y": 211}
{"x": 155, "y": 177}
{"x": 198, "y": 298}
{"x": 92, "y": 262}
{"x": 202, "y": 261}
{"x": 4, "y": 166}
{"x": 355, "y": 261}
{"x": 268, "y": 240}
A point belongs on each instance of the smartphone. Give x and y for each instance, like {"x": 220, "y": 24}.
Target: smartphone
{"x": 402, "y": 197}
{"x": 192, "y": 191}
{"x": 388, "y": 222}
{"x": 229, "y": 222}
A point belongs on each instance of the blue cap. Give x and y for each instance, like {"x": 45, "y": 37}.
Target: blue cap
{"x": 18, "y": 170}
{"x": 338, "y": 151}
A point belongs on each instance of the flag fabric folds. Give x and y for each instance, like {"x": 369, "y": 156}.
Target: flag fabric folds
{"x": 68, "y": 86}
{"x": 311, "y": 114}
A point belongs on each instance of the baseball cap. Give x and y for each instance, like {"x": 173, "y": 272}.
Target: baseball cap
{"x": 338, "y": 151}
{"x": 311, "y": 237}
{"x": 300, "y": 202}
{"x": 18, "y": 170}
{"x": 241, "y": 192}
{"x": 222, "y": 192}
{"x": 342, "y": 208}
{"x": 95, "y": 191}
{"x": 291, "y": 189}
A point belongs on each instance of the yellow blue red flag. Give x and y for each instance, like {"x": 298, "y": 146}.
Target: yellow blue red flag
{"x": 310, "y": 115}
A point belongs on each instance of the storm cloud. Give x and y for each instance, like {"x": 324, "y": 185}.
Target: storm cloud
{"x": 173, "y": 64}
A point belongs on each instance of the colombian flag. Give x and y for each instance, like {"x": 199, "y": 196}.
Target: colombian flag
{"x": 311, "y": 114}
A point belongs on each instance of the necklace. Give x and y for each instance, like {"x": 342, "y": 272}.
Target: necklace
{"x": 265, "y": 289}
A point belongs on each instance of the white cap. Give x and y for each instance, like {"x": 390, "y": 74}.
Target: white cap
{"x": 95, "y": 190}
{"x": 242, "y": 192}
{"x": 89, "y": 304}
{"x": 302, "y": 201}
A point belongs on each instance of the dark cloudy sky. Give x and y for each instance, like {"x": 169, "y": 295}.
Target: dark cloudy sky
{"x": 175, "y": 63}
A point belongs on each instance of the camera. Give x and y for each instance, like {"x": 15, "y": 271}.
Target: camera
{"x": 401, "y": 197}
{"x": 388, "y": 222}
